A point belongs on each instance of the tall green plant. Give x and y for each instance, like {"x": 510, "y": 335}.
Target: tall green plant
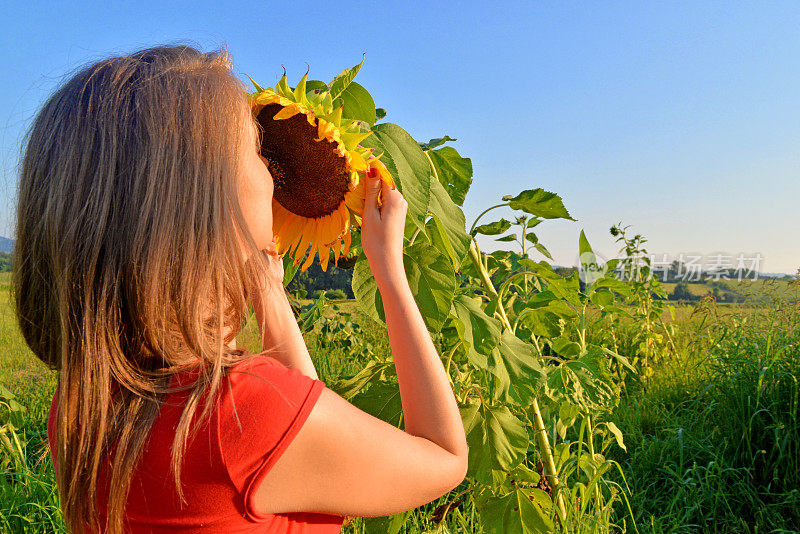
{"x": 500, "y": 322}
{"x": 647, "y": 301}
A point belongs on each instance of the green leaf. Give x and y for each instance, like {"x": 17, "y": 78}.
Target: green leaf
{"x": 521, "y": 511}
{"x": 386, "y": 524}
{"x": 543, "y": 323}
{"x": 453, "y": 171}
{"x": 591, "y": 271}
{"x": 495, "y": 228}
{"x": 257, "y": 87}
{"x": 602, "y": 298}
{"x": 309, "y": 317}
{"x": 343, "y": 80}
{"x": 408, "y": 166}
{"x": 615, "y": 285}
{"x": 282, "y": 87}
{"x": 617, "y": 434}
{"x": 430, "y": 276}
{"x": 541, "y": 248}
{"x": 567, "y": 415}
{"x": 313, "y": 86}
{"x": 300, "y": 89}
{"x": 541, "y": 299}
{"x": 510, "y": 237}
{"x": 14, "y": 407}
{"x": 432, "y": 281}
{"x": 586, "y": 381}
{"x": 539, "y": 202}
{"x": 450, "y": 224}
{"x": 372, "y": 371}
{"x": 440, "y": 528}
{"x": 358, "y": 104}
{"x": 495, "y": 437}
{"x": 565, "y": 347}
{"x": 365, "y": 290}
{"x": 380, "y": 113}
{"x": 518, "y": 369}
{"x": 289, "y": 269}
{"x": 584, "y": 247}
{"x": 435, "y": 143}
{"x": 565, "y": 288}
{"x": 382, "y": 400}
{"x": 480, "y": 332}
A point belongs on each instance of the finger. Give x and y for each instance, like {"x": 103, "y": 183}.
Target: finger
{"x": 271, "y": 249}
{"x": 373, "y": 187}
{"x": 390, "y": 195}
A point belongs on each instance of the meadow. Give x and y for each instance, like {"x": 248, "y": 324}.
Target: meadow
{"x": 711, "y": 435}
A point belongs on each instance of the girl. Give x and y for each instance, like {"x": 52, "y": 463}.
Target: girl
{"x": 144, "y": 228}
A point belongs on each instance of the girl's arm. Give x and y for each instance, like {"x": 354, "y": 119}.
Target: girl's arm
{"x": 345, "y": 461}
{"x": 280, "y": 334}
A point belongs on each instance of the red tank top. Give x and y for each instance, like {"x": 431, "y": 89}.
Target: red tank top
{"x": 260, "y": 409}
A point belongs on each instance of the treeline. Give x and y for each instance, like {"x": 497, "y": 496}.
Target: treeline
{"x": 335, "y": 281}
{"x": 719, "y": 290}
{"x": 5, "y": 262}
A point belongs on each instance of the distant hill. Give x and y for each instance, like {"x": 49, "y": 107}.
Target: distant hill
{"x": 6, "y": 244}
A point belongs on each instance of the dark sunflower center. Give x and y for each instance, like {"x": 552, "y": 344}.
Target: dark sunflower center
{"x": 310, "y": 177}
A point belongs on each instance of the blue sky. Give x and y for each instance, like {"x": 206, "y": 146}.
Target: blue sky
{"x": 681, "y": 119}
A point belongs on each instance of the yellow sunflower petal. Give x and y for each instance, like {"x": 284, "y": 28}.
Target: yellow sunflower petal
{"x": 354, "y": 200}
{"x": 355, "y": 161}
{"x": 324, "y": 255}
{"x": 287, "y": 112}
{"x": 326, "y": 130}
{"x": 385, "y": 175}
{"x": 337, "y": 246}
{"x": 307, "y": 232}
{"x": 311, "y": 254}
{"x": 290, "y": 229}
{"x": 280, "y": 222}
{"x": 332, "y": 229}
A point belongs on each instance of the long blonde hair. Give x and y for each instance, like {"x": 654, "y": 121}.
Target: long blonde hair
{"x": 127, "y": 267}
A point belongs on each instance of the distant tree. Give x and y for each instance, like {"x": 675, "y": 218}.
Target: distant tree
{"x": 676, "y": 269}
{"x": 564, "y": 271}
{"x": 681, "y": 292}
{"x": 5, "y": 262}
{"x": 335, "y": 294}
{"x": 314, "y": 279}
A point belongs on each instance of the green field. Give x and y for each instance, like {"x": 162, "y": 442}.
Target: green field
{"x": 750, "y": 290}
{"x": 711, "y": 431}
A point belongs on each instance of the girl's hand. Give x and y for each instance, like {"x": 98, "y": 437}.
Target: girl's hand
{"x": 382, "y": 228}
{"x": 272, "y": 277}
{"x": 275, "y": 263}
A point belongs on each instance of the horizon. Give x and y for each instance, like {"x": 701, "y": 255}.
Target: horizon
{"x": 679, "y": 120}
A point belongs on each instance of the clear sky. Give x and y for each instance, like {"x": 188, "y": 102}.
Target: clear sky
{"x": 681, "y": 119}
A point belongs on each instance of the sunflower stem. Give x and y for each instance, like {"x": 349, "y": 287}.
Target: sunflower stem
{"x": 540, "y": 433}
{"x": 413, "y": 237}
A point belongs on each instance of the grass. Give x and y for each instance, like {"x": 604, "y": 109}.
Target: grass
{"x": 753, "y": 291}
{"x": 713, "y": 438}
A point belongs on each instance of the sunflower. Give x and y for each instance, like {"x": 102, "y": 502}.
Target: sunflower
{"x": 318, "y": 168}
